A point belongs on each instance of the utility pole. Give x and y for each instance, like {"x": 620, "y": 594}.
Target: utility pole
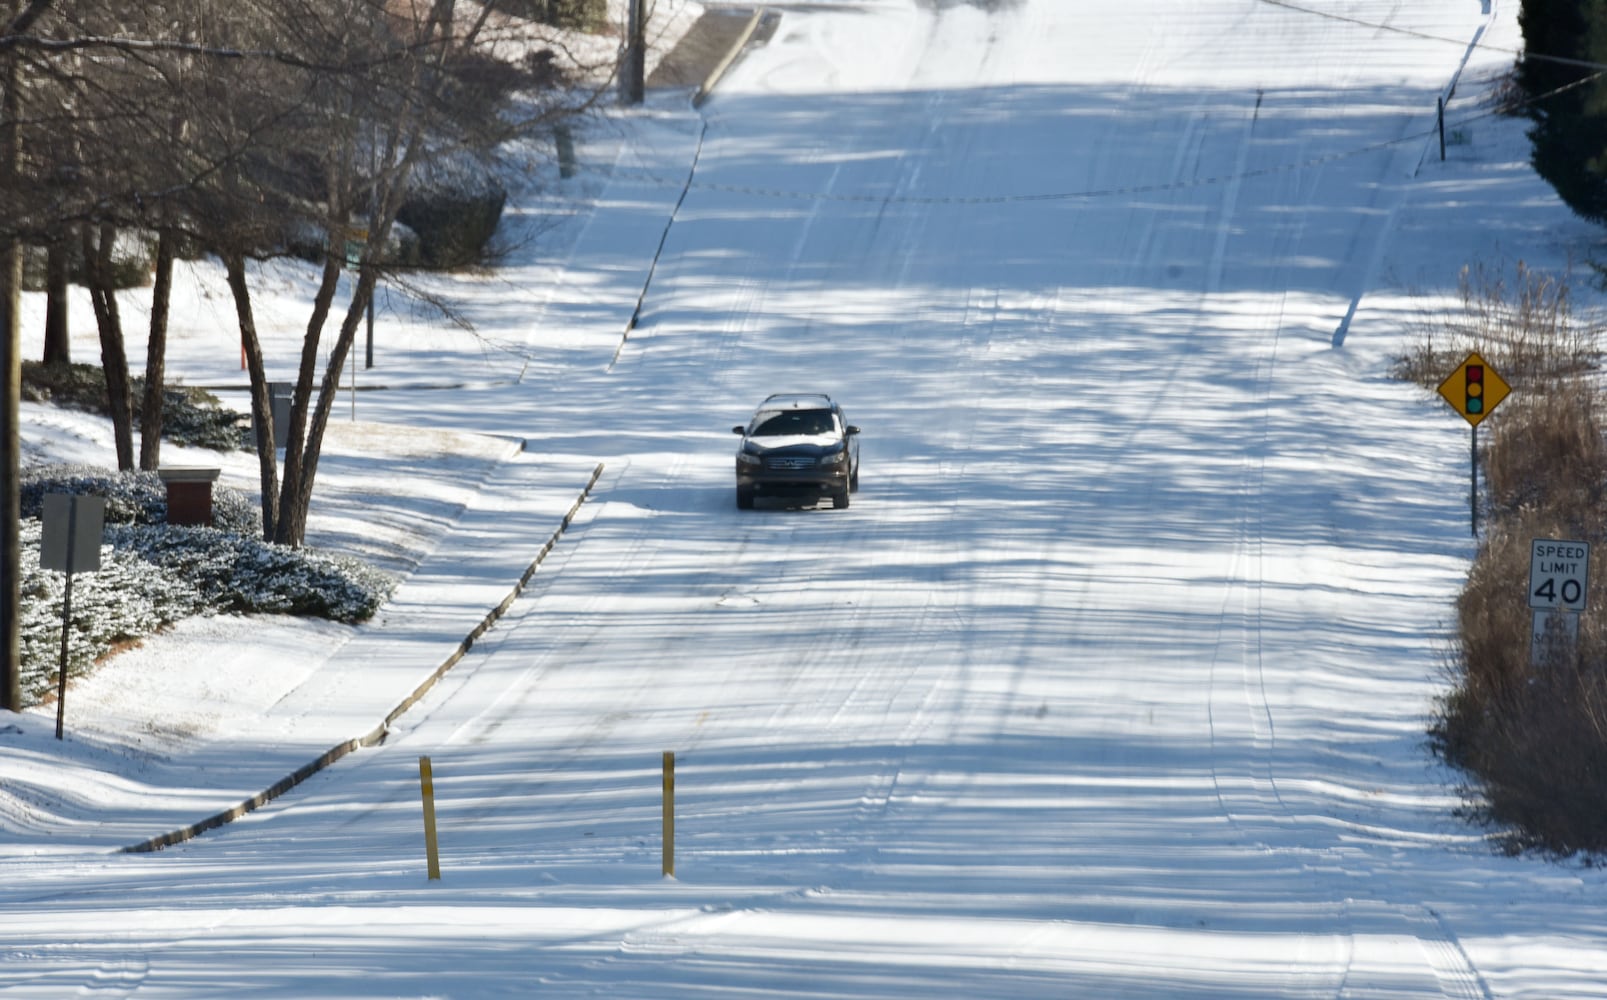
{"x": 10, "y": 391}
{"x": 635, "y": 69}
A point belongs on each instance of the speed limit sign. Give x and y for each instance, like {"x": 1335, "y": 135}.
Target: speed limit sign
{"x": 1559, "y": 574}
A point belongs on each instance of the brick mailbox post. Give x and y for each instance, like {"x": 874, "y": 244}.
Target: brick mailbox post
{"x": 189, "y": 494}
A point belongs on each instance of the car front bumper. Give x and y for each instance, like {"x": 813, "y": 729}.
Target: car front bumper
{"x": 817, "y": 479}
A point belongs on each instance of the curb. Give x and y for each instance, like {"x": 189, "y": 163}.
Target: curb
{"x": 379, "y": 732}
{"x": 710, "y": 81}
{"x": 663, "y": 238}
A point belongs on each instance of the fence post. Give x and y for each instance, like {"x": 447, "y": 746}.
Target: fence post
{"x": 1442, "y": 129}
{"x": 427, "y": 783}
{"x": 669, "y": 814}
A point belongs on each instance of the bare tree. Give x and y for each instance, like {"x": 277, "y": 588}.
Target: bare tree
{"x": 58, "y": 271}
{"x": 98, "y": 165}
{"x": 378, "y": 89}
{"x": 251, "y": 128}
{"x": 150, "y": 430}
{"x": 98, "y": 242}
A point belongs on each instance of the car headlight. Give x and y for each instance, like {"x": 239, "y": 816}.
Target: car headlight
{"x": 746, "y": 459}
{"x": 834, "y": 458}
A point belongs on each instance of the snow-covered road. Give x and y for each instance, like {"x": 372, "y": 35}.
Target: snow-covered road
{"x": 1112, "y": 682}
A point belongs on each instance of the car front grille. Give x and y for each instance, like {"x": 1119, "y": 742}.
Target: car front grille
{"x": 786, "y": 462}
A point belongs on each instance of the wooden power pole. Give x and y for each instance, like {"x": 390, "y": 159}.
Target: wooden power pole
{"x": 636, "y": 53}
{"x": 10, "y": 391}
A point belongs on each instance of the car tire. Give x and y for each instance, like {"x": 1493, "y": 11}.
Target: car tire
{"x": 744, "y": 498}
{"x": 853, "y": 480}
{"x": 840, "y": 500}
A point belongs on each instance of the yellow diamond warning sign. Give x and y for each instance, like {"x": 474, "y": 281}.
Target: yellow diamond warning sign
{"x": 1474, "y": 389}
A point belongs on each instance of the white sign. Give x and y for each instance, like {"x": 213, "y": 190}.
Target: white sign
{"x": 1554, "y": 636}
{"x": 1559, "y": 574}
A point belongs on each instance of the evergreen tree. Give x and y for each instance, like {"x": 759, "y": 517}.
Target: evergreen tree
{"x": 1569, "y": 136}
{"x": 1551, "y": 28}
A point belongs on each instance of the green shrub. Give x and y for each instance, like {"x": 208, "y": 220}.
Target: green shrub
{"x": 190, "y": 416}
{"x": 453, "y": 229}
{"x": 580, "y": 15}
{"x": 133, "y": 262}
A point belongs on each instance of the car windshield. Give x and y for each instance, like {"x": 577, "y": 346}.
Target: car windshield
{"x": 791, "y": 422}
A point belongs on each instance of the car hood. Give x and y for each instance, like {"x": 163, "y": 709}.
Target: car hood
{"x": 804, "y": 442}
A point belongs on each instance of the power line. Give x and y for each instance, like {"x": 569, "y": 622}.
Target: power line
{"x": 1155, "y": 188}
{"x": 1090, "y": 194}
{"x": 1537, "y": 56}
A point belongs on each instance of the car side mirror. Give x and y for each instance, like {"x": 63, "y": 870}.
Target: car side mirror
{"x": 851, "y": 429}
{"x": 739, "y": 429}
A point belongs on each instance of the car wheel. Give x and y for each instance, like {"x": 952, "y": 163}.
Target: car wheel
{"x": 745, "y": 497}
{"x": 840, "y": 500}
{"x": 853, "y": 480}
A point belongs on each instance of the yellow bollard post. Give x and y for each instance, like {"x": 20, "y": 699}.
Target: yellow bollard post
{"x": 427, "y": 782}
{"x": 669, "y": 814}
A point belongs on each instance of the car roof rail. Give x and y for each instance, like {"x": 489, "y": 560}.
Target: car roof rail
{"x": 796, "y": 396}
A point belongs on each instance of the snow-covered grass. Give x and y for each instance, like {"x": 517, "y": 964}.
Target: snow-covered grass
{"x": 190, "y": 416}
{"x": 153, "y": 574}
{"x": 385, "y": 494}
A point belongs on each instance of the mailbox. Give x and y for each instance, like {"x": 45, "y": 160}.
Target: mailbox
{"x": 189, "y": 494}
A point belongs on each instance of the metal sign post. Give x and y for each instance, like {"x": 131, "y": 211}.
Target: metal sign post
{"x": 70, "y": 543}
{"x": 1474, "y": 390}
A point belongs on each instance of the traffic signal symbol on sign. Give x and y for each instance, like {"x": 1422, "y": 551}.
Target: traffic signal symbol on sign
{"x": 1474, "y": 389}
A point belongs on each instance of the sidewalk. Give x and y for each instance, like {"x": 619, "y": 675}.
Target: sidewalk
{"x": 711, "y": 41}
{"x": 100, "y": 791}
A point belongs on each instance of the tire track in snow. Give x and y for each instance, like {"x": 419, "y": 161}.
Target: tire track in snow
{"x": 474, "y": 728}
{"x": 1256, "y": 793}
{"x": 120, "y": 978}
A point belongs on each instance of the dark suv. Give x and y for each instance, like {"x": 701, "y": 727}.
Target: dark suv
{"x": 797, "y": 445}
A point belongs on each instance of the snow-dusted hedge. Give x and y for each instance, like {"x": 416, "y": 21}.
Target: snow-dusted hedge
{"x": 244, "y": 574}
{"x": 133, "y": 497}
{"x": 153, "y": 574}
{"x": 125, "y": 599}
